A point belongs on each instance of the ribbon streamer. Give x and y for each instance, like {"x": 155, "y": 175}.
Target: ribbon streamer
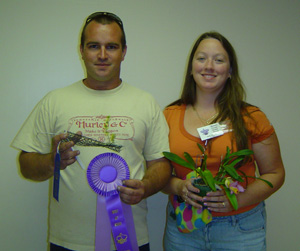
{"x": 56, "y": 175}
{"x": 104, "y": 174}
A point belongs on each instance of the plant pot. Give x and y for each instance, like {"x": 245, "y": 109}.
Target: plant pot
{"x": 204, "y": 189}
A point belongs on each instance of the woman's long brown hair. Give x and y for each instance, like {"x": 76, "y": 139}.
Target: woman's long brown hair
{"x": 230, "y": 102}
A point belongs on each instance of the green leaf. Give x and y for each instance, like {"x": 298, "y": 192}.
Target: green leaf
{"x": 227, "y": 150}
{"x": 244, "y": 176}
{"x": 232, "y": 198}
{"x": 233, "y": 173}
{"x": 189, "y": 158}
{"x": 201, "y": 148}
{"x": 266, "y": 181}
{"x": 208, "y": 177}
{"x": 203, "y": 164}
{"x": 200, "y": 172}
{"x": 244, "y": 152}
{"x": 175, "y": 158}
{"x": 234, "y": 162}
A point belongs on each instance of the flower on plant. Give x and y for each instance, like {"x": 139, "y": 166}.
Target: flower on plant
{"x": 233, "y": 186}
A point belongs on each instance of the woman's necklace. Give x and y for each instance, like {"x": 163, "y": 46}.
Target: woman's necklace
{"x": 205, "y": 121}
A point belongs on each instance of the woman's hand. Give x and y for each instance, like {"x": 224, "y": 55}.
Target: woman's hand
{"x": 188, "y": 192}
{"x": 217, "y": 202}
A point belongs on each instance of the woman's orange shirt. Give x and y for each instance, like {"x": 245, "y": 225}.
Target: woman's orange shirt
{"x": 181, "y": 141}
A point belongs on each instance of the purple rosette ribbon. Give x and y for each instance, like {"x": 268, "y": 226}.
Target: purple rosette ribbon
{"x": 104, "y": 174}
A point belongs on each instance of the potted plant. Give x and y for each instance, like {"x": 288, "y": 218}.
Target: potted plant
{"x": 228, "y": 177}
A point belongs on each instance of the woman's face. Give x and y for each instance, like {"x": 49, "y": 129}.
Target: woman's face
{"x": 210, "y": 66}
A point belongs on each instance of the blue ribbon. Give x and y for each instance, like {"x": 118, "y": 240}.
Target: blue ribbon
{"x": 56, "y": 176}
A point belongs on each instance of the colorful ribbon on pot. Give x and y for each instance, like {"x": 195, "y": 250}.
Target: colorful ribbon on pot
{"x": 104, "y": 174}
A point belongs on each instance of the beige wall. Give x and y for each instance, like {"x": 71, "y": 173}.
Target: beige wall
{"x": 39, "y": 52}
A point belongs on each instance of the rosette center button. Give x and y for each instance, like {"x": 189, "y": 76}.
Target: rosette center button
{"x": 108, "y": 174}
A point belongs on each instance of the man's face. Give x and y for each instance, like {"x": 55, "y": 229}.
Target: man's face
{"x": 102, "y": 55}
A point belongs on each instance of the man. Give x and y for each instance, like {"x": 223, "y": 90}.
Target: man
{"x": 97, "y": 107}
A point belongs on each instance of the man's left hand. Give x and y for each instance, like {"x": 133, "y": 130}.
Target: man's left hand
{"x": 132, "y": 192}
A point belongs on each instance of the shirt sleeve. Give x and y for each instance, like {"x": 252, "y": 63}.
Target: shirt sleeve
{"x": 157, "y": 135}
{"x": 258, "y": 125}
{"x": 35, "y": 133}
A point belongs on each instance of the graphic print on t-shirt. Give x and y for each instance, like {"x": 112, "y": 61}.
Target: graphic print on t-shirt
{"x": 100, "y": 127}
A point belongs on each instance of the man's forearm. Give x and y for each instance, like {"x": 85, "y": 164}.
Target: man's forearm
{"x": 36, "y": 166}
{"x": 157, "y": 176}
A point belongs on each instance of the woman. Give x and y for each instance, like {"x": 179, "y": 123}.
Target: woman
{"x": 213, "y": 93}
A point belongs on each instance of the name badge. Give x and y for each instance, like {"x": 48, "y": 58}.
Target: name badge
{"x": 210, "y": 131}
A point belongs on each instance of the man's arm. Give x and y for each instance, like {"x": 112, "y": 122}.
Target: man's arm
{"x": 36, "y": 166}
{"x": 156, "y": 177}
{"x": 40, "y": 167}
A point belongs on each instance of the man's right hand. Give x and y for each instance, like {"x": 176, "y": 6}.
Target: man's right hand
{"x": 40, "y": 167}
{"x": 67, "y": 154}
